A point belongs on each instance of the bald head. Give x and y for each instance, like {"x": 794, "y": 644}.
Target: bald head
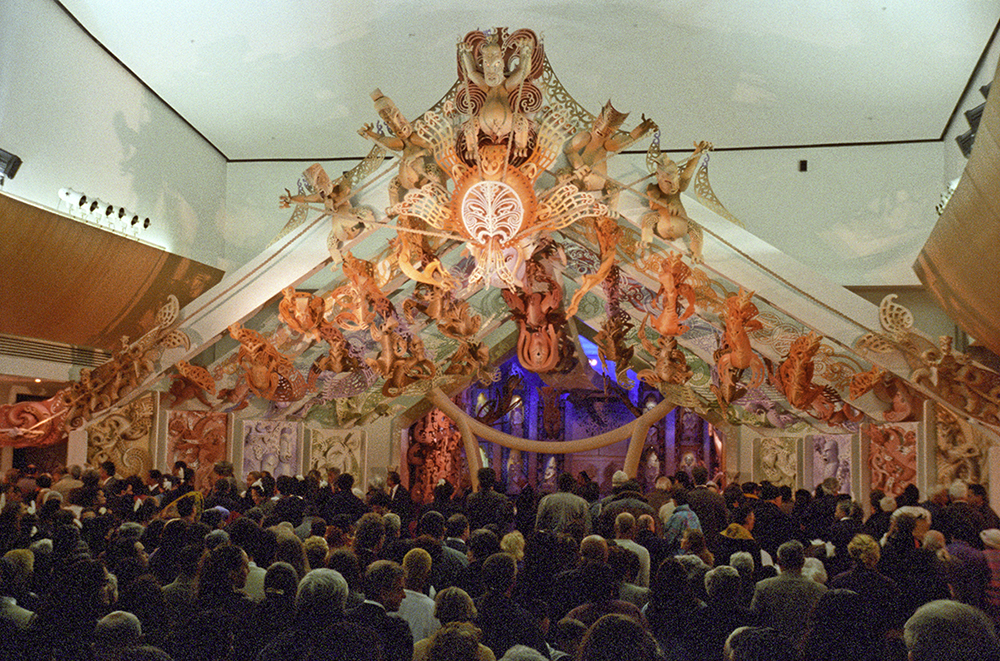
{"x": 594, "y": 547}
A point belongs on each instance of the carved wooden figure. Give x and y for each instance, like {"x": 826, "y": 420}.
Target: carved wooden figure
{"x": 668, "y": 219}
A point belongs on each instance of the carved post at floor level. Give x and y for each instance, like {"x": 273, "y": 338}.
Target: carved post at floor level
{"x": 470, "y": 428}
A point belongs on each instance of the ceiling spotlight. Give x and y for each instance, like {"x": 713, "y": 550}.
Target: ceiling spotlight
{"x": 109, "y": 210}
{"x": 72, "y": 198}
{"x": 94, "y": 205}
{"x": 122, "y": 212}
{"x": 145, "y": 224}
{"x": 135, "y": 220}
{"x": 8, "y": 164}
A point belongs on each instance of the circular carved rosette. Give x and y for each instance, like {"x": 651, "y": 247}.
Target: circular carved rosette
{"x": 494, "y": 210}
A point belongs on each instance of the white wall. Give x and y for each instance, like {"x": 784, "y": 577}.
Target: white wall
{"x": 77, "y": 119}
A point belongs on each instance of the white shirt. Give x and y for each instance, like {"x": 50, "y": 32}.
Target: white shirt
{"x": 418, "y": 611}
{"x": 643, "y": 553}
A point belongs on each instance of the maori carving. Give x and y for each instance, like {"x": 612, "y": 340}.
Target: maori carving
{"x": 671, "y": 363}
{"x": 500, "y": 104}
{"x": 961, "y": 450}
{"x": 588, "y": 151}
{"x": 191, "y": 382}
{"x": 122, "y": 437}
{"x": 949, "y": 374}
{"x": 542, "y": 345}
{"x": 198, "y": 439}
{"x": 608, "y": 235}
{"x": 269, "y": 374}
{"x": 795, "y": 372}
{"x": 611, "y": 339}
{"x": 962, "y": 383}
{"x": 401, "y": 360}
{"x": 334, "y": 196}
{"x": 667, "y": 218}
{"x": 456, "y": 320}
{"x": 416, "y": 158}
{"x": 735, "y": 355}
{"x": 674, "y": 289}
{"x": 36, "y": 424}
{"x": 434, "y": 454}
{"x": 893, "y": 456}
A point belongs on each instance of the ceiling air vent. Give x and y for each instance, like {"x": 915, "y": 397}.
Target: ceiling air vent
{"x": 51, "y": 351}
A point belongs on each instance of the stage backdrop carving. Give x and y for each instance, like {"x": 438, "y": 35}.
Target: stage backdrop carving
{"x": 342, "y": 449}
{"x": 271, "y": 445}
{"x": 892, "y": 455}
{"x": 197, "y": 438}
{"x": 123, "y": 437}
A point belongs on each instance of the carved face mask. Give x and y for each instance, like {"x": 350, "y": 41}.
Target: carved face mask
{"x": 492, "y": 65}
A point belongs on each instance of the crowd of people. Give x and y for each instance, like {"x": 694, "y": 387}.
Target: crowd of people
{"x": 95, "y": 566}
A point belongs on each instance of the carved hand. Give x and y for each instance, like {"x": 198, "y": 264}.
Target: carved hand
{"x": 365, "y": 130}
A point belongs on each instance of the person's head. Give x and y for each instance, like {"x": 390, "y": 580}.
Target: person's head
{"x": 513, "y": 544}
{"x": 417, "y": 569}
{"x": 370, "y": 531}
{"x": 977, "y": 496}
{"x": 759, "y": 644}
{"x": 958, "y": 491}
{"x": 457, "y": 641}
{"x": 742, "y": 561}
{"x": 223, "y": 570}
{"x": 384, "y": 583}
{"x": 316, "y": 549}
{"x": 482, "y": 544}
{"x": 625, "y": 526}
{"x": 791, "y": 556}
{"x": 723, "y": 585}
{"x": 865, "y": 551}
{"x": 117, "y": 630}
{"x": 615, "y": 637}
{"x": 107, "y": 469}
{"x": 344, "y": 561}
{"x": 944, "y": 630}
{"x": 699, "y": 474}
{"x": 281, "y": 582}
{"x": 744, "y": 515}
{"x": 523, "y": 653}
{"x": 915, "y": 520}
{"x": 498, "y": 573}
{"x": 432, "y": 523}
{"x": 457, "y": 526}
{"x": 345, "y": 482}
{"x": 487, "y": 478}
{"x": 321, "y": 596}
{"x": 454, "y": 605}
{"x": 568, "y": 635}
{"x": 594, "y": 547}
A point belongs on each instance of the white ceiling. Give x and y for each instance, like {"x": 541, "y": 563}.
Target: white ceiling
{"x": 272, "y": 80}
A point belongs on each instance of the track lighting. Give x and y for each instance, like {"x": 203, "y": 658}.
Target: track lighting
{"x": 105, "y": 214}
{"x": 72, "y": 198}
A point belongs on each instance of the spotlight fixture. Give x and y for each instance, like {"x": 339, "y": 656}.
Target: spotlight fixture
{"x": 135, "y": 220}
{"x": 8, "y": 164}
{"x": 145, "y": 224}
{"x": 94, "y": 205}
{"x": 109, "y": 210}
{"x": 72, "y": 198}
{"x": 122, "y": 212}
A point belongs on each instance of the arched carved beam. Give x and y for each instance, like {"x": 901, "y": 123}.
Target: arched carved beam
{"x": 470, "y": 428}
